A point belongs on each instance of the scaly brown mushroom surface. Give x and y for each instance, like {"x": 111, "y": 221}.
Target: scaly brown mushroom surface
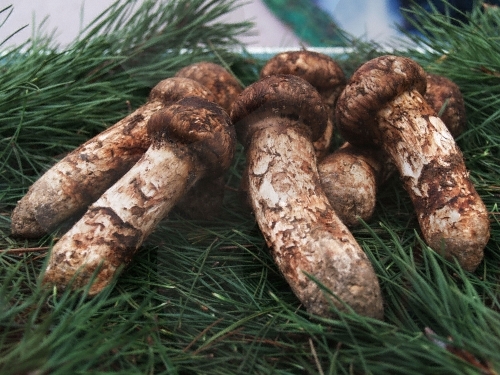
{"x": 444, "y": 96}
{"x": 216, "y": 78}
{"x": 191, "y": 139}
{"x": 321, "y": 71}
{"x": 78, "y": 179}
{"x": 383, "y": 105}
{"x": 350, "y": 178}
{"x": 277, "y": 118}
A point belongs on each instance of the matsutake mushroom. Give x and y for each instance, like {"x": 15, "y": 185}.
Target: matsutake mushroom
{"x": 323, "y": 73}
{"x": 351, "y": 176}
{"x": 383, "y": 105}
{"x": 277, "y": 118}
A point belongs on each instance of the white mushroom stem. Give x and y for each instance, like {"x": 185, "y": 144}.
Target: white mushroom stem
{"x": 307, "y": 237}
{"x": 452, "y": 216}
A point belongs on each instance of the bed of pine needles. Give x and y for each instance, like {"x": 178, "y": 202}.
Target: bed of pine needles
{"x": 205, "y": 297}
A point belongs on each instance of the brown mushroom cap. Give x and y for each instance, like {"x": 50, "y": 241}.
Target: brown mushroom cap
{"x": 320, "y": 70}
{"x": 282, "y": 96}
{"x": 172, "y": 89}
{"x": 444, "y": 96}
{"x": 371, "y": 87}
{"x": 216, "y": 78}
{"x": 201, "y": 125}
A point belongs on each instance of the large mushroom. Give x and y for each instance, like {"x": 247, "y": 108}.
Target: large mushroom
{"x": 191, "y": 139}
{"x": 383, "y": 105}
{"x": 277, "y": 118}
{"x": 78, "y": 179}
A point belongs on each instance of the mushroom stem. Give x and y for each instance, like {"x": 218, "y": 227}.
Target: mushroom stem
{"x": 77, "y": 180}
{"x": 192, "y": 139}
{"x": 452, "y": 217}
{"x": 306, "y": 235}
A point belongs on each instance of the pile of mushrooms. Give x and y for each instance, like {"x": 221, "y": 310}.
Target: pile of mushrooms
{"x": 174, "y": 150}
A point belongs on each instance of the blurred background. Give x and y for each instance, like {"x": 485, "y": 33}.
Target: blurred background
{"x": 278, "y": 23}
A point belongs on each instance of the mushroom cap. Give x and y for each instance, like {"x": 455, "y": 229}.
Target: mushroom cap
{"x": 320, "y": 70}
{"x": 172, "y": 89}
{"x": 444, "y": 96}
{"x": 376, "y": 83}
{"x": 216, "y": 78}
{"x": 200, "y": 125}
{"x": 279, "y": 96}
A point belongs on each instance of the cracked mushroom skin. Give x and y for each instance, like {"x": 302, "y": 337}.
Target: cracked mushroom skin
{"x": 276, "y": 119}
{"x": 77, "y": 180}
{"x": 323, "y": 73}
{"x": 191, "y": 139}
{"x": 383, "y": 104}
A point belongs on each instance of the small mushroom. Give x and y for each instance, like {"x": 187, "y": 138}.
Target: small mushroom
{"x": 444, "y": 96}
{"x": 216, "y": 78}
{"x": 191, "y": 139}
{"x": 277, "y": 118}
{"x": 351, "y": 176}
{"x": 383, "y": 105}
{"x": 77, "y": 180}
{"x": 321, "y": 71}
{"x": 205, "y": 200}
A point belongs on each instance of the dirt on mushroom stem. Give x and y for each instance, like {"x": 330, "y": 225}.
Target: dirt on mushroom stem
{"x": 301, "y": 228}
{"x": 77, "y": 180}
{"x": 452, "y": 217}
{"x": 108, "y": 235}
